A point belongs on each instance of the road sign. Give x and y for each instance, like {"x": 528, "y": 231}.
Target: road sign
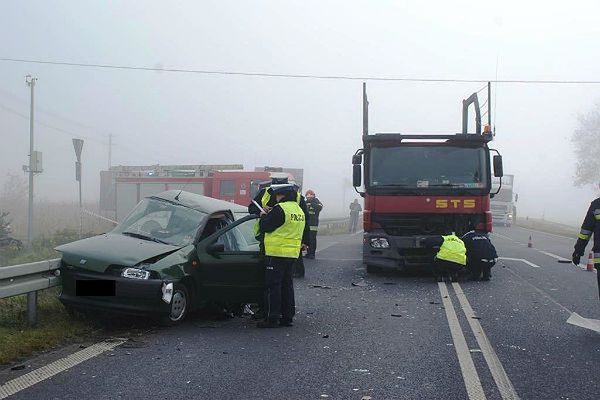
{"x": 78, "y": 145}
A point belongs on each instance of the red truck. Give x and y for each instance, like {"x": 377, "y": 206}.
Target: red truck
{"x": 416, "y": 186}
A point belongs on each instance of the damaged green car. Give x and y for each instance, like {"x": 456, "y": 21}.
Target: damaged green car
{"x": 175, "y": 252}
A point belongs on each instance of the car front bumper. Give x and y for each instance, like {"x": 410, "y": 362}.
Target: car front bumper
{"x": 132, "y": 296}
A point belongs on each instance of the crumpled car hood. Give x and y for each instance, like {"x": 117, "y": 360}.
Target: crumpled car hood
{"x": 98, "y": 252}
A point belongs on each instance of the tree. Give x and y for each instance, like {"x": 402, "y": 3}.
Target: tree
{"x": 15, "y": 189}
{"x": 586, "y": 139}
{"x": 4, "y": 224}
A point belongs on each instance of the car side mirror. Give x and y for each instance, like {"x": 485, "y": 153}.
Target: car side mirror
{"x": 498, "y": 169}
{"x": 356, "y": 159}
{"x": 356, "y": 175}
{"x": 214, "y": 248}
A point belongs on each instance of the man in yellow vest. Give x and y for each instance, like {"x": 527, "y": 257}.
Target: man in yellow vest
{"x": 283, "y": 228}
{"x": 451, "y": 257}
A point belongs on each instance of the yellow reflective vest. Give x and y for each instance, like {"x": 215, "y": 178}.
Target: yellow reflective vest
{"x": 453, "y": 249}
{"x": 286, "y": 240}
{"x": 264, "y": 200}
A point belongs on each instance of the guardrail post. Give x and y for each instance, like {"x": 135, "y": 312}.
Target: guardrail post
{"x": 32, "y": 308}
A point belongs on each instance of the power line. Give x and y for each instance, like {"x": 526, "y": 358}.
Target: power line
{"x": 304, "y": 76}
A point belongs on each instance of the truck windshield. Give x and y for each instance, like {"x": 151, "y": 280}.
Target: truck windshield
{"x": 427, "y": 167}
{"x": 505, "y": 195}
{"x": 161, "y": 221}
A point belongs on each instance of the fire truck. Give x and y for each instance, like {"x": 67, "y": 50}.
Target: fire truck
{"x": 122, "y": 187}
{"x": 421, "y": 185}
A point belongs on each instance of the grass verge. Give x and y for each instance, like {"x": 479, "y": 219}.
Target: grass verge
{"x": 549, "y": 227}
{"x": 55, "y": 326}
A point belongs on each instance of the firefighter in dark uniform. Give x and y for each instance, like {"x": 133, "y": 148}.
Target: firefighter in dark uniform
{"x": 590, "y": 226}
{"x": 451, "y": 257}
{"x": 481, "y": 253}
{"x": 314, "y": 207}
{"x": 283, "y": 228}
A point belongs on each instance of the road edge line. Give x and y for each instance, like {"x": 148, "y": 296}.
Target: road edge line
{"x": 41, "y": 374}
{"x": 505, "y": 386}
{"x": 465, "y": 360}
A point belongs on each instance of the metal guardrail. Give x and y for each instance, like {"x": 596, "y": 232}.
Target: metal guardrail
{"x": 28, "y": 279}
{"x": 332, "y": 223}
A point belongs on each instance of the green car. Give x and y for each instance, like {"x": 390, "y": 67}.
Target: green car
{"x": 175, "y": 252}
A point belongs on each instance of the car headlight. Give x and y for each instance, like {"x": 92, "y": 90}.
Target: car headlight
{"x": 135, "y": 273}
{"x": 380, "y": 243}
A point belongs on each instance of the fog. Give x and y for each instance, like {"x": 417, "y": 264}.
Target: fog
{"x": 315, "y": 124}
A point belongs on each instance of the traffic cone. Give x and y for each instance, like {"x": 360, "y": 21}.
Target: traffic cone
{"x": 590, "y": 264}
{"x": 530, "y": 243}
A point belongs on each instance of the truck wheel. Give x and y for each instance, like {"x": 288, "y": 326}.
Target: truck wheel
{"x": 372, "y": 269}
{"x": 180, "y": 304}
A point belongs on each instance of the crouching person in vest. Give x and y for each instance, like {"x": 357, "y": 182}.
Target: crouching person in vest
{"x": 283, "y": 229}
{"x": 451, "y": 257}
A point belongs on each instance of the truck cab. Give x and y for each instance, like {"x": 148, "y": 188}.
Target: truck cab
{"x": 417, "y": 186}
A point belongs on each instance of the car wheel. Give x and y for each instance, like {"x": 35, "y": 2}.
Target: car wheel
{"x": 180, "y": 304}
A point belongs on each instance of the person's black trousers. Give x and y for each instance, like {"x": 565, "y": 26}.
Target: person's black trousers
{"x": 312, "y": 244}
{"x": 279, "y": 289}
{"x": 446, "y": 268}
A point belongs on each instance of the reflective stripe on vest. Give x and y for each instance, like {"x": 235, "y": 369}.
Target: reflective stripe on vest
{"x": 286, "y": 240}
{"x": 453, "y": 249}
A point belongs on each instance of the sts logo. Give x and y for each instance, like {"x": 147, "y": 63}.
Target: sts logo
{"x": 455, "y": 203}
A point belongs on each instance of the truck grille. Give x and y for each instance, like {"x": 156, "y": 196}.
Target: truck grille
{"x": 424, "y": 224}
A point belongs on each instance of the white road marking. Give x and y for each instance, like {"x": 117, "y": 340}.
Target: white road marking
{"x": 540, "y": 291}
{"x": 38, "y": 375}
{"x": 554, "y": 256}
{"x": 467, "y": 367}
{"x": 505, "y": 386}
{"x": 521, "y": 260}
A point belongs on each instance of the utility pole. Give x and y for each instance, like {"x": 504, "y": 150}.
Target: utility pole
{"x": 109, "y": 151}
{"x": 30, "y": 80}
{"x": 78, "y": 146}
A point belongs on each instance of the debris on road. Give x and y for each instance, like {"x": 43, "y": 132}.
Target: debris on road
{"x": 18, "y": 367}
{"x": 474, "y": 317}
{"x": 434, "y": 302}
{"x": 360, "y": 370}
{"x": 396, "y": 315}
{"x": 360, "y": 283}
{"x": 325, "y": 336}
{"x": 321, "y": 286}
{"x": 389, "y": 283}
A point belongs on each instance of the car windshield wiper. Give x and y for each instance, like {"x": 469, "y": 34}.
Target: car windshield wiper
{"x": 144, "y": 237}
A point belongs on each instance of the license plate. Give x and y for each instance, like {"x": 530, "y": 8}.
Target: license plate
{"x": 95, "y": 287}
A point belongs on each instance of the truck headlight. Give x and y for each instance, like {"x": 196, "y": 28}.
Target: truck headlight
{"x": 380, "y": 243}
{"x": 135, "y": 273}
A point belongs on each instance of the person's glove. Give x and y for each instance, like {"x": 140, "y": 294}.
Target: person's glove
{"x": 576, "y": 258}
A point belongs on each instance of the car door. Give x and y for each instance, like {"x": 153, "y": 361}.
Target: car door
{"x": 230, "y": 266}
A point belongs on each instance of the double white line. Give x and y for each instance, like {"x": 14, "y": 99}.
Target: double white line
{"x": 465, "y": 360}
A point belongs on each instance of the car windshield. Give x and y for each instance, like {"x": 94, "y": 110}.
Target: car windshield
{"x": 428, "y": 167}
{"x": 162, "y": 221}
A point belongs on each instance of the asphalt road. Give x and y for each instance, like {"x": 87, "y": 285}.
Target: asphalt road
{"x": 385, "y": 337}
